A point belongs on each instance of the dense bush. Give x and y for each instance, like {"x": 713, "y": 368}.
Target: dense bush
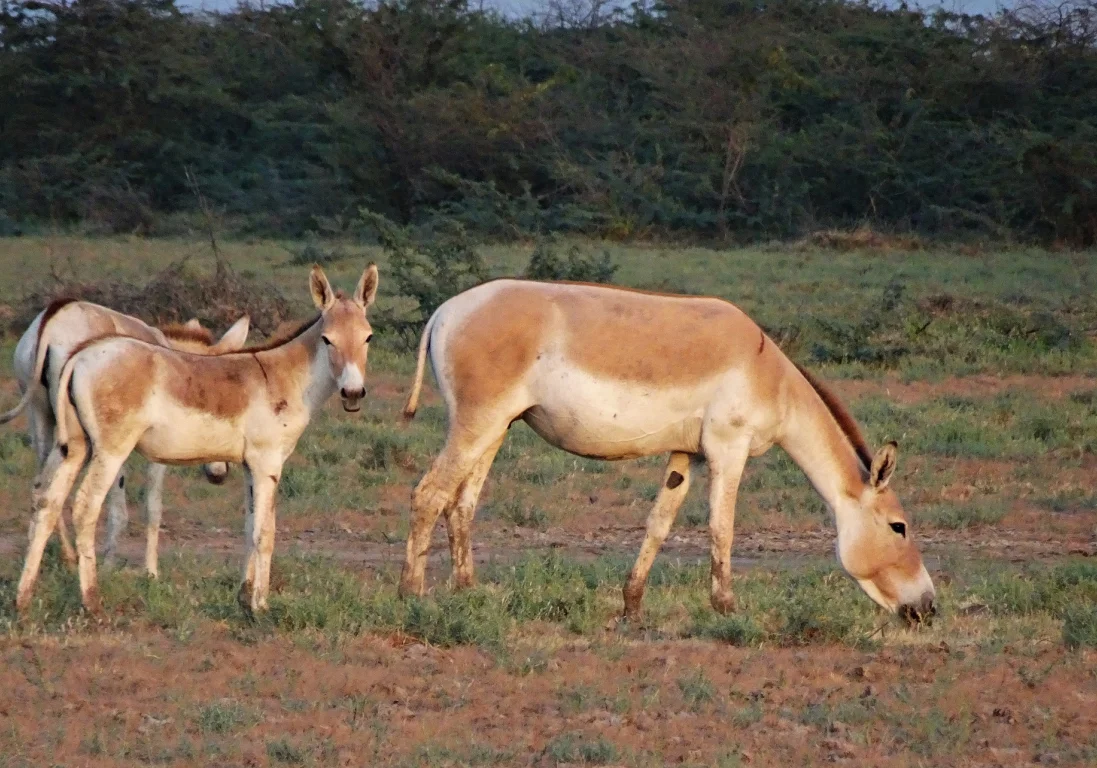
{"x": 742, "y": 118}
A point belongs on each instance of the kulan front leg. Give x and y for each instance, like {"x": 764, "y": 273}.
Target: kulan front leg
{"x": 671, "y": 495}
{"x": 725, "y": 472}
{"x": 259, "y": 528}
{"x": 154, "y": 507}
{"x": 118, "y": 517}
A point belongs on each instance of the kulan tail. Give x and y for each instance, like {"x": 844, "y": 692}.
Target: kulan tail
{"x": 417, "y": 386}
{"x": 61, "y": 407}
{"x": 41, "y": 353}
{"x": 18, "y": 409}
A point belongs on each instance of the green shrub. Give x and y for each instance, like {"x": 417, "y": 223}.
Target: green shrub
{"x": 1080, "y": 626}
{"x": 545, "y": 263}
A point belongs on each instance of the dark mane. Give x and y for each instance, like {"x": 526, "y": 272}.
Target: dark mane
{"x": 278, "y": 339}
{"x": 841, "y": 415}
{"x": 177, "y": 332}
{"x": 52, "y": 309}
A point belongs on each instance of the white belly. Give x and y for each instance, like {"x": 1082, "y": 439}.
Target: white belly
{"x": 179, "y": 435}
{"x": 580, "y": 413}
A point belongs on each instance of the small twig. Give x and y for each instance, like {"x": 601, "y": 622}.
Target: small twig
{"x": 879, "y": 630}
{"x": 222, "y": 265}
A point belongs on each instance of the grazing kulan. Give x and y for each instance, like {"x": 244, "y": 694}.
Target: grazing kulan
{"x": 40, "y": 354}
{"x": 249, "y": 407}
{"x": 612, "y": 373}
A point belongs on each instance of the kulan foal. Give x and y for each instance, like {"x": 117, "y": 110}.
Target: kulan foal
{"x": 39, "y": 356}
{"x": 611, "y": 373}
{"x": 249, "y": 407}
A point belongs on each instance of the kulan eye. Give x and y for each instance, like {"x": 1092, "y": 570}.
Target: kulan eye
{"x": 327, "y": 341}
{"x": 899, "y": 528}
{"x": 369, "y": 338}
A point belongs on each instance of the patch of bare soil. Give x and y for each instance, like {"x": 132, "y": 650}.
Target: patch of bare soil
{"x": 116, "y": 699}
{"x": 764, "y": 549}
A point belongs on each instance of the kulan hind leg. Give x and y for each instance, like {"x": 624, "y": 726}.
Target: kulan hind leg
{"x": 459, "y": 518}
{"x": 42, "y": 427}
{"x": 671, "y": 495}
{"x": 437, "y": 491}
{"x": 101, "y": 476}
{"x": 68, "y": 462}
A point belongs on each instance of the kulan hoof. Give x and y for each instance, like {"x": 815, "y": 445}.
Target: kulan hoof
{"x": 723, "y": 603}
{"x": 243, "y": 599}
{"x": 634, "y": 602}
{"x": 410, "y": 587}
{"x": 93, "y": 605}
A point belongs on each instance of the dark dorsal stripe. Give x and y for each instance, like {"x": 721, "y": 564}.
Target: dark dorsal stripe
{"x": 843, "y": 418}
{"x": 280, "y": 339}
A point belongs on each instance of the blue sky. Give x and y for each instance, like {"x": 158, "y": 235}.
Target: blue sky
{"x": 524, "y": 7}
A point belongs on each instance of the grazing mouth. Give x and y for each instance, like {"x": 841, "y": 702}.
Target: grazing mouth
{"x": 913, "y": 616}
{"x": 352, "y": 407}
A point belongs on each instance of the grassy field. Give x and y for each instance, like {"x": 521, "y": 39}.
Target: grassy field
{"x": 983, "y": 365}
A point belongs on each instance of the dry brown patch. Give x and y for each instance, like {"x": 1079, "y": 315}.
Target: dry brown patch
{"x": 379, "y": 699}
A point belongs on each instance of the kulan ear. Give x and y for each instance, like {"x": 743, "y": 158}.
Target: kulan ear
{"x": 883, "y": 465}
{"x": 366, "y": 291}
{"x": 322, "y": 294}
{"x": 193, "y": 324}
{"x": 235, "y": 337}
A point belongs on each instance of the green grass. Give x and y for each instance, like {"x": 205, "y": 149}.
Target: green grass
{"x": 1080, "y": 626}
{"x": 697, "y": 690}
{"x": 222, "y": 717}
{"x": 1012, "y": 425}
{"x": 793, "y": 607}
{"x": 962, "y": 515}
{"x": 923, "y": 313}
{"x": 575, "y": 748}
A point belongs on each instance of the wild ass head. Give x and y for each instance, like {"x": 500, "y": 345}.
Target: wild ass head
{"x": 345, "y": 332}
{"x": 876, "y": 546}
{"x": 195, "y": 338}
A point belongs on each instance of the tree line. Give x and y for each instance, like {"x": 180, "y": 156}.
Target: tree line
{"x": 738, "y": 119}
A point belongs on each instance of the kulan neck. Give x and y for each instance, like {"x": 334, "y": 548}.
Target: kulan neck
{"x": 303, "y": 361}
{"x": 815, "y": 441}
